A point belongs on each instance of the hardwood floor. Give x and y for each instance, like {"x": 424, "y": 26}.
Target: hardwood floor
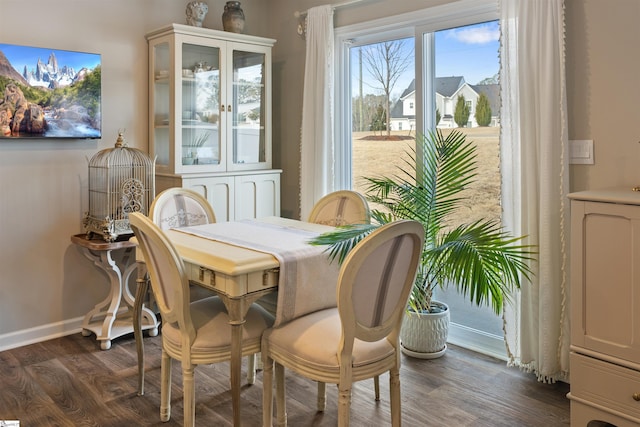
{"x": 71, "y": 382}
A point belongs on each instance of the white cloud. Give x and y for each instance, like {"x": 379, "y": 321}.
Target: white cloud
{"x": 476, "y": 35}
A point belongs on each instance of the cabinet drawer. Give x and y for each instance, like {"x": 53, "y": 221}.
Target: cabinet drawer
{"x": 232, "y": 285}
{"x": 605, "y": 384}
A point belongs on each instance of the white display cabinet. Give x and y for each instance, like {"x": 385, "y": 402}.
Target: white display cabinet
{"x": 210, "y": 113}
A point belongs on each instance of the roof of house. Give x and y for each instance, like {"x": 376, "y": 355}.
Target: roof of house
{"x": 447, "y": 86}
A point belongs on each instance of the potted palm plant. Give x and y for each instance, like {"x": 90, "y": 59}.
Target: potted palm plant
{"x": 480, "y": 259}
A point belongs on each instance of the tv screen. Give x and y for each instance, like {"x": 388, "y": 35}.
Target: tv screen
{"x": 49, "y": 93}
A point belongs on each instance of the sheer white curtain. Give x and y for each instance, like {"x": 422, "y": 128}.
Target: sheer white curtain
{"x": 535, "y": 149}
{"x": 316, "y": 141}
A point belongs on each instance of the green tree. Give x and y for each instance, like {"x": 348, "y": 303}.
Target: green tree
{"x": 483, "y": 111}
{"x": 462, "y": 113}
{"x": 438, "y": 116}
{"x": 379, "y": 122}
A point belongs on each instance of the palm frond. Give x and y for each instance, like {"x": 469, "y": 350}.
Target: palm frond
{"x": 483, "y": 262}
{"x": 480, "y": 259}
{"x": 342, "y": 240}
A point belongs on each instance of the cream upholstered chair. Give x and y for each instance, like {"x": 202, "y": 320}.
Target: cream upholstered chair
{"x": 194, "y": 333}
{"x": 180, "y": 207}
{"x": 172, "y": 208}
{"x": 360, "y": 338}
{"x": 342, "y": 207}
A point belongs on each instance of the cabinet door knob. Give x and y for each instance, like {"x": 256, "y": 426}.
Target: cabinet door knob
{"x": 636, "y": 397}
{"x": 229, "y": 108}
{"x": 222, "y": 107}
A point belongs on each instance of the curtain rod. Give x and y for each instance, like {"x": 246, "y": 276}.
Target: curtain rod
{"x": 299, "y": 14}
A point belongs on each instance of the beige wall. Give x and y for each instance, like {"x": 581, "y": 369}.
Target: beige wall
{"x": 46, "y": 286}
{"x": 603, "y": 66}
{"x": 45, "y": 282}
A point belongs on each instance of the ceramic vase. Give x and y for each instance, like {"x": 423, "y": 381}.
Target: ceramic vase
{"x": 233, "y": 17}
{"x": 424, "y": 335}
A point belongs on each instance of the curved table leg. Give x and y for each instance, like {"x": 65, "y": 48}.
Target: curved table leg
{"x": 138, "y": 311}
{"x": 106, "y": 263}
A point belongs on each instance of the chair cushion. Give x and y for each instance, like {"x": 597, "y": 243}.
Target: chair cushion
{"x": 313, "y": 340}
{"x": 211, "y": 322}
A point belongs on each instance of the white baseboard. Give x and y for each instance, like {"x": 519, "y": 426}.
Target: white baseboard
{"x": 477, "y": 341}
{"x": 459, "y": 335}
{"x": 40, "y": 333}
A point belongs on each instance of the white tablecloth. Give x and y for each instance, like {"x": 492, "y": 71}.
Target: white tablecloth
{"x": 307, "y": 280}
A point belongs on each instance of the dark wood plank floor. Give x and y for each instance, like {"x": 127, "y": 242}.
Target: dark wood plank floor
{"x": 71, "y": 382}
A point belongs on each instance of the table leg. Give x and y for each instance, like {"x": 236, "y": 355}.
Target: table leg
{"x": 141, "y": 292}
{"x": 106, "y": 263}
{"x": 237, "y": 309}
{"x": 236, "y": 367}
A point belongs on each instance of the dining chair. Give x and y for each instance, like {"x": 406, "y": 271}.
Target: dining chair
{"x": 338, "y": 208}
{"x": 358, "y": 339}
{"x": 342, "y": 207}
{"x": 180, "y": 207}
{"x": 196, "y": 332}
{"x": 172, "y": 208}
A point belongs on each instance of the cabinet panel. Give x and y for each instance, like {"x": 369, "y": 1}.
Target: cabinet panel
{"x": 256, "y": 196}
{"x": 219, "y": 192}
{"x": 605, "y": 283}
{"x": 233, "y": 197}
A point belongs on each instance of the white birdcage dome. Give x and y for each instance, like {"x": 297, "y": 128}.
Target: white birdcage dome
{"x": 121, "y": 180}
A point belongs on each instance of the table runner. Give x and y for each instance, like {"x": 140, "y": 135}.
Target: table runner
{"x": 307, "y": 280}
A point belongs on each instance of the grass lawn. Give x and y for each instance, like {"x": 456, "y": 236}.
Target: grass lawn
{"x": 373, "y": 158}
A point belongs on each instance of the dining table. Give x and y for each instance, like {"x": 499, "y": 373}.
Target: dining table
{"x": 241, "y": 261}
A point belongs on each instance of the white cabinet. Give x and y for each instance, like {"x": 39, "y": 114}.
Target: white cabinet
{"x": 605, "y": 307}
{"x": 233, "y": 197}
{"x": 210, "y": 117}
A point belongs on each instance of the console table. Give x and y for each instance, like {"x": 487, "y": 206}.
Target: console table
{"x": 110, "y": 318}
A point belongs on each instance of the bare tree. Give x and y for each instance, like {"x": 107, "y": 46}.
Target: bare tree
{"x": 386, "y": 62}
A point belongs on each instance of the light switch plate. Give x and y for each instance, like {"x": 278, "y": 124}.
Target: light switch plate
{"x": 581, "y": 152}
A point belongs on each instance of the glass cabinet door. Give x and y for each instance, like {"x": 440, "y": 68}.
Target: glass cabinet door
{"x": 209, "y": 102}
{"x": 247, "y": 128}
{"x": 160, "y": 96}
{"x": 200, "y": 133}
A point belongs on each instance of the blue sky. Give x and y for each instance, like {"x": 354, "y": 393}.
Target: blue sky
{"x": 19, "y": 56}
{"x": 471, "y": 52}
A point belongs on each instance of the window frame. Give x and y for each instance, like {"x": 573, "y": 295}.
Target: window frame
{"x": 412, "y": 24}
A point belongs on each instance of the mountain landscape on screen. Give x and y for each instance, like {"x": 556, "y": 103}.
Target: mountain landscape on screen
{"x": 59, "y": 98}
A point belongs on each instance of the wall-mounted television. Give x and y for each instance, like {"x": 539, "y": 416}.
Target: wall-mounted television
{"x": 49, "y": 93}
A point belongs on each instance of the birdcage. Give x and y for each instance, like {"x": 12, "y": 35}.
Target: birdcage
{"x": 121, "y": 180}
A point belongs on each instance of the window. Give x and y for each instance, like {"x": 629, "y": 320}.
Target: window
{"x": 376, "y": 123}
